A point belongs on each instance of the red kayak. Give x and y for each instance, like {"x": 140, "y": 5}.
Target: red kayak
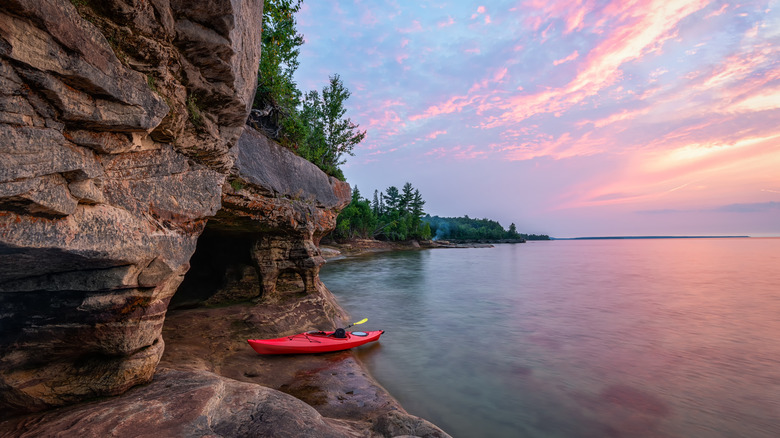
{"x": 313, "y": 342}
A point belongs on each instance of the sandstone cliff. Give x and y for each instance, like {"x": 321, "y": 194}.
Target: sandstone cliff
{"x": 122, "y": 139}
{"x": 107, "y": 178}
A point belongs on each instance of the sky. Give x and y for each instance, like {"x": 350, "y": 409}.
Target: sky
{"x": 568, "y": 118}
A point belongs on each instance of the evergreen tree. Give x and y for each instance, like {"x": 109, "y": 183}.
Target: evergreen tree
{"x": 392, "y": 199}
{"x": 279, "y": 57}
{"x": 313, "y": 145}
{"x": 341, "y": 134}
{"x": 407, "y": 194}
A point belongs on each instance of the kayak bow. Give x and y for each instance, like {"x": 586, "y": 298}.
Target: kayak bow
{"x": 313, "y": 342}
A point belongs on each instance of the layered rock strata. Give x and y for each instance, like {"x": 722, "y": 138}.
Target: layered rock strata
{"x": 299, "y": 201}
{"x": 119, "y": 139}
{"x": 262, "y": 244}
{"x": 116, "y": 121}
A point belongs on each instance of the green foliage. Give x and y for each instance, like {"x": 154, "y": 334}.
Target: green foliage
{"x": 279, "y": 56}
{"x": 237, "y": 185}
{"x": 312, "y": 124}
{"x": 392, "y": 215}
{"x": 327, "y": 134}
{"x": 151, "y": 82}
{"x": 194, "y": 110}
{"x": 465, "y": 228}
{"x": 398, "y": 215}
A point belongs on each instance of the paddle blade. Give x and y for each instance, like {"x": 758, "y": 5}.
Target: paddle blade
{"x": 360, "y": 322}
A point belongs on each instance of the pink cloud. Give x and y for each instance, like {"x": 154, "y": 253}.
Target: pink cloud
{"x": 457, "y": 152}
{"x": 468, "y": 153}
{"x": 679, "y": 175}
{"x": 498, "y": 78}
{"x": 435, "y": 134}
{"x": 368, "y": 19}
{"x": 718, "y": 12}
{"x": 565, "y": 146}
{"x": 457, "y": 103}
{"x": 454, "y": 104}
{"x": 740, "y": 66}
{"x": 415, "y": 27}
{"x": 439, "y": 152}
{"x": 618, "y": 117}
{"x": 571, "y": 57}
{"x": 500, "y": 75}
{"x": 448, "y": 22}
{"x": 648, "y": 27}
{"x": 480, "y": 10}
{"x": 572, "y": 12}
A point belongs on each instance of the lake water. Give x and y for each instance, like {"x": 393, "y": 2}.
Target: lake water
{"x": 591, "y": 338}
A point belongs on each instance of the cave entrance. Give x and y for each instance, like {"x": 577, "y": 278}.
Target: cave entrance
{"x": 221, "y": 271}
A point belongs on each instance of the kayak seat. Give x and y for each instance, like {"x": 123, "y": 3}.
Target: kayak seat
{"x": 340, "y": 333}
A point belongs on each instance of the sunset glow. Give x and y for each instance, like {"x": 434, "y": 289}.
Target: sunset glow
{"x": 568, "y": 118}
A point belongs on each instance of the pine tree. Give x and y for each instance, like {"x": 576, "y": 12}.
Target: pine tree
{"x": 392, "y": 199}
{"x": 407, "y": 194}
{"x": 341, "y": 134}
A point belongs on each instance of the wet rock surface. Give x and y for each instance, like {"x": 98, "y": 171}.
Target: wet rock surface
{"x": 335, "y": 384}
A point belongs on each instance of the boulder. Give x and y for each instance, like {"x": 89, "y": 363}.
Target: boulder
{"x": 185, "y": 403}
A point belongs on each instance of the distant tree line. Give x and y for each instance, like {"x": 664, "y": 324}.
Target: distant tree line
{"x": 393, "y": 215}
{"x": 397, "y": 215}
{"x": 466, "y": 228}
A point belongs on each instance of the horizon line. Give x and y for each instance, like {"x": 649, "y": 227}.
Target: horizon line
{"x": 650, "y": 237}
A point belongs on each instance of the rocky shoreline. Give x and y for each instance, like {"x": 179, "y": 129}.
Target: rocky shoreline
{"x": 358, "y": 247}
{"x": 146, "y": 232}
{"x": 210, "y": 382}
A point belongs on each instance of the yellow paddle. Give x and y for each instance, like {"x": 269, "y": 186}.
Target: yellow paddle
{"x": 359, "y": 322}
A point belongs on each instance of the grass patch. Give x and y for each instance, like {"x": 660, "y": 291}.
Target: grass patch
{"x": 237, "y": 185}
{"x": 151, "y": 82}
{"x": 196, "y": 117}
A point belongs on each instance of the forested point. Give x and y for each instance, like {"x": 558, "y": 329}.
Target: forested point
{"x": 393, "y": 215}
{"x": 468, "y": 229}
{"x": 398, "y": 215}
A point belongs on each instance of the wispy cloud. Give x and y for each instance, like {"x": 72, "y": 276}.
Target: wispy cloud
{"x": 664, "y": 105}
{"x": 574, "y": 55}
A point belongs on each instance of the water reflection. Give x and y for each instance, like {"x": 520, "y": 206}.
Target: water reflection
{"x": 570, "y": 339}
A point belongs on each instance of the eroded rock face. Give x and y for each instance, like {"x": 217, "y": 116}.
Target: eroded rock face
{"x": 116, "y": 121}
{"x": 262, "y": 245}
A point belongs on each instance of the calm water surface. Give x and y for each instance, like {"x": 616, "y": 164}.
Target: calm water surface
{"x": 598, "y": 338}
